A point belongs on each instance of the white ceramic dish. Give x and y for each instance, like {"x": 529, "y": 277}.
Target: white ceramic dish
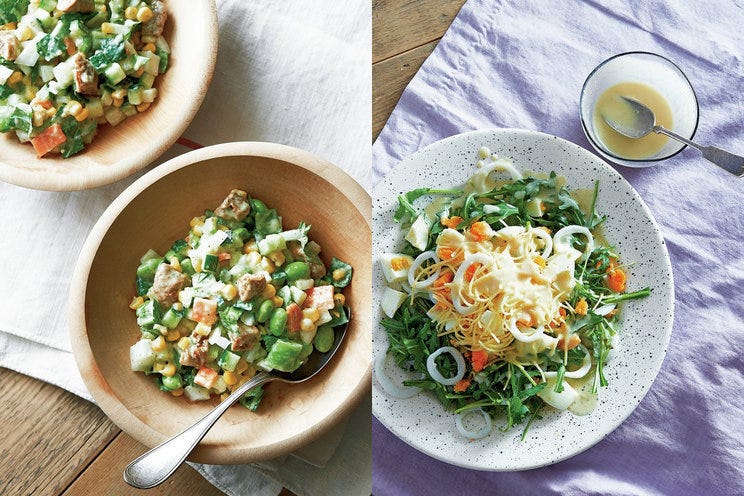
{"x": 421, "y": 421}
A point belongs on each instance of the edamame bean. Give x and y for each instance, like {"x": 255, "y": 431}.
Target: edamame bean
{"x": 297, "y": 270}
{"x": 172, "y": 383}
{"x": 264, "y": 311}
{"x": 278, "y": 321}
{"x": 324, "y": 339}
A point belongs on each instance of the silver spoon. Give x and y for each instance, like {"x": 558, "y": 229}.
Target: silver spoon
{"x": 644, "y": 123}
{"x": 155, "y": 466}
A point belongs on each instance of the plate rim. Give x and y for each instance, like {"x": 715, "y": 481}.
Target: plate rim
{"x": 605, "y": 429}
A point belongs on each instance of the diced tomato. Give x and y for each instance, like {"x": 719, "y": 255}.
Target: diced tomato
{"x": 206, "y": 377}
{"x": 320, "y": 297}
{"x": 50, "y": 139}
{"x": 294, "y": 317}
{"x": 479, "y": 358}
{"x": 204, "y": 311}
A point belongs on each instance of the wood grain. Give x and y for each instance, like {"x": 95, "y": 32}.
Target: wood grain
{"x": 390, "y": 77}
{"x": 103, "y": 476}
{"x": 399, "y": 26}
{"x": 48, "y": 436}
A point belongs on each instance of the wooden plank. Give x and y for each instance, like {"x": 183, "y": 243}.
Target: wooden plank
{"x": 399, "y": 26}
{"x": 104, "y": 475}
{"x": 389, "y": 79}
{"x": 48, "y": 436}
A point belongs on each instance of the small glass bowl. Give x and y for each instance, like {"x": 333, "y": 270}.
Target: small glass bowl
{"x": 652, "y": 70}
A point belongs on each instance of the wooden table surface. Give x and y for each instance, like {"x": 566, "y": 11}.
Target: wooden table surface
{"x": 54, "y": 443}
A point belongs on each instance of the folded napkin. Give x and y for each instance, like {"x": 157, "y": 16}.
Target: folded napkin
{"x": 522, "y": 65}
{"x": 286, "y": 74}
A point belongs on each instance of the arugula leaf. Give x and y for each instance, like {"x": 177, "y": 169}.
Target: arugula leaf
{"x": 405, "y": 202}
{"x": 111, "y": 50}
{"x": 12, "y": 10}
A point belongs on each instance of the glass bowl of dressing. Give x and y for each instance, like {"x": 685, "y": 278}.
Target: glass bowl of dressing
{"x": 654, "y": 81}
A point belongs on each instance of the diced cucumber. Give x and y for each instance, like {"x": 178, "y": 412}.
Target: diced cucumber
{"x": 211, "y": 262}
{"x": 148, "y": 268}
{"x": 128, "y": 110}
{"x": 284, "y": 356}
{"x": 285, "y": 294}
{"x": 95, "y": 108}
{"x": 255, "y": 354}
{"x": 48, "y": 5}
{"x": 149, "y": 95}
{"x": 150, "y": 254}
{"x": 172, "y": 318}
{"x": 153, "y": 64}
{"x": 148, "y": 314}
{"x": 228, "y": 360}
{"x": 187, "y": 267}
{"x": 196, "y": 393}
{"x": 115, "y": 116}
{"x": 141, "y": 356}
{"x": 147, "y": 80}
{"x": 114, "y": 73}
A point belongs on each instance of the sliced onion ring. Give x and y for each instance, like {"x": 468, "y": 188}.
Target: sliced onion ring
{"x": 520, "y": 336}
{"x": 480, "y": 258}
{"x": 559, "y": 237}
{"x": 387, "y": 384}
{"x": 581, "y": 371}
{"x": 427, "y": 255}
{"x": 486, "y": 430}
{"x": 543, "y": 235}
{"x": 431, "y": 366}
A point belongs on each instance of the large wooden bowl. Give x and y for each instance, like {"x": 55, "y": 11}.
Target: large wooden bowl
{"x": 120, "y": 151}
{"x": 156, "y": 210}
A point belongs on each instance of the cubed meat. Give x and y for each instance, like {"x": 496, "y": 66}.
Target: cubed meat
{"x": 168, "y": 282}
{"x": 250, "y": 285}
{"x": 196, "y": 354}
{"x": 10, "y": 46}
{"x": 245, "y": 339}
{"x": 235, "y": 206}
{"x": 294, "y": 318}
{"x": 317, "y": 270}
{"x": 312, "y": 249}
{"x": 320, "y": 297}
{"x": 86, "y": 78}
{"x": 295, "y": 249}
{"x": 154, "y": 27}
{"x": 76, "y": 5}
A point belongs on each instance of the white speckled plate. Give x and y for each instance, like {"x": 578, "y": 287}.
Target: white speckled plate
{"x": 646, "y": 324}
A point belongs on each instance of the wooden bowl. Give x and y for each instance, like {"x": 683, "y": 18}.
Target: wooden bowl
{"x": 155, "y": 211}
{"x": 120, "y": 151}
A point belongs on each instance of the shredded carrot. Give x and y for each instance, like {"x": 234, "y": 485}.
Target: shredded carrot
{"x": 462, "y": 385}
{"x": 581, "y": 307}
{"x": 478, "y": 231}
{"x": 452, "y": 222}
{"x": 528, "y": 323}
{"x": 562, "y": 311}
{"x": 479, "y": 358}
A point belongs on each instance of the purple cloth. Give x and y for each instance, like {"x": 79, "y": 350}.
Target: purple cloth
{"x": 522, "y": 64}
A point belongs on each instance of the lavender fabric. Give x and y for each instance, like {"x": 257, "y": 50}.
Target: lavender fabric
{"x": 522, "y": 64}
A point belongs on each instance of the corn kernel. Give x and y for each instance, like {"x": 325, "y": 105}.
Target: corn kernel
{"x": 144, "y": 14}
{"x": 307, "y": 325}
{"x": 230, "y": 378}
{"x": 339, "y": 299}
{"x": 82, "y": 115}
{"x": 229, "y": 291}
{"x": 278, "y": 301}
{"x": 184, "y": 343}
{"x": 15, "y": 78}
{"x": 177, "y": 392}
{"x": 139, "y": 72}
{"x": 107, "y": 28}
{"x": 150, "y": 47}
{"x": 50, "y": 112}
{"x": 268, "y": 292}
{"x": 241, "y": 367}
{"x": 253, "y": 259}
{"x": 175, "y": 264}
{"x": 158, "y": 344}
{"x": 278, "y": 257}
{"x": 169, "y": 370}
{"x": 137, "y": 302}
{"x": 202, "y": 329}
{"x": 267, "y": 265}
{"x": 173, "y": 335}
{"x": 339, "y": 274}
{"x": 38, "y": 118}
{"x": 197, "y": 264}
{"x": 143, "y": 107}
{"x": 131, "y": 13}
{"x": 158, "y": 367}
{"x": 311, "y": 313}
{"x": 250, "y": 247}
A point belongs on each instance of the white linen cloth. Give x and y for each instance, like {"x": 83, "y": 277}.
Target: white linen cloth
{"x": 292, "y": 72}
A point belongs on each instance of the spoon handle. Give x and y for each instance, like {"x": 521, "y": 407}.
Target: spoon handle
{"x": 155, "y": 466}
{"x": 728, "y": 161}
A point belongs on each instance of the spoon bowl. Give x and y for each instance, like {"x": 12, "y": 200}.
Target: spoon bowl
{"x": 155, "y": 466}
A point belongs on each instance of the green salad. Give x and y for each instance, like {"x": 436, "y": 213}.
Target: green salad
{"x": 68, "y": 66}
{"x": 237, "y": 295}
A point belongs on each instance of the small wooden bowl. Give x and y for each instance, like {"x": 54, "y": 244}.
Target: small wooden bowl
{"x": 117, "y": 152}
{"x": 155, "y": 211}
